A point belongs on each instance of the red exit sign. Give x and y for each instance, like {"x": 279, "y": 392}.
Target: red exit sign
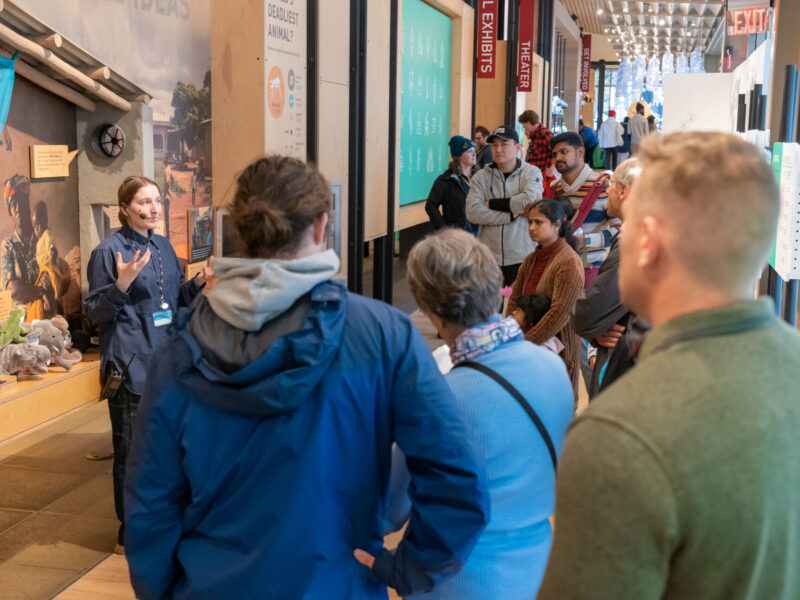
{"x": 743, "y": 21}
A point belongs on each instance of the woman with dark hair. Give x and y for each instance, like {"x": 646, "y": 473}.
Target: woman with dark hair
{"x": 651, "y": 124}
{"x": 262, "y": 452}
{"x": 625, "y": 149}
{"x": 553, "y": 270}
{"x": 135, "y": 288}
{"x": 446, "y": 204}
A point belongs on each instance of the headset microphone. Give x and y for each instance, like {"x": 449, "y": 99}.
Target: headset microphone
{"x": 142, "y": 214}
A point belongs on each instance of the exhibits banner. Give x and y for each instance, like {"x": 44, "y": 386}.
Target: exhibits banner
{"x": 424, "y": 99}
{"x": 527, "y": 12}
{"x": 487, "y": 38}
{"x": 285, "y": 50}
{"x": 586, "y": 63}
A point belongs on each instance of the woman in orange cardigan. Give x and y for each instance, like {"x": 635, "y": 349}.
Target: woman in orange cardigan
{"x": 554, "y": 270}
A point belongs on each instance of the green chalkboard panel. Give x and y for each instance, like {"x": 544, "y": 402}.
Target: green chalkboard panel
{"x": 424, "y": 99}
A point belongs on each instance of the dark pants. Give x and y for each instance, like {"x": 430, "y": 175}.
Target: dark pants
{"x": 122, "y": 410}
{"x": 612, "y": 155}
{"x": 509, "y": 274}
{"x": 589, "y": 154}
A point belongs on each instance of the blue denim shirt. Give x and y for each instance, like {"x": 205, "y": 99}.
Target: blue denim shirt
{"x": 126, "y": 318}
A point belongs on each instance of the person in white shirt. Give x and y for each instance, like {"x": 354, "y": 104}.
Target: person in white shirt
{"x": 610, "y": 137}
{"x": 639, "y": 128}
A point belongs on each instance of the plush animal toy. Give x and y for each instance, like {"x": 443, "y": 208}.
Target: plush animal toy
{"x": 12, "y": 332}
{"x": 70, "y": 354}
{"x": 51, "y": 338}
{"x": 27, "y": 361}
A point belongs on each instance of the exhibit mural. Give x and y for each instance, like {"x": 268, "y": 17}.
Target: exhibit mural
{"x": 164, "y": 46}
{"x": 39, "y": 251}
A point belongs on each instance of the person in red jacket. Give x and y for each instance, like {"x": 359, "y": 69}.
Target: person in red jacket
{"x": 539, "y": 152}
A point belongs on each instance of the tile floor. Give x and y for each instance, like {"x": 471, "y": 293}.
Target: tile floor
{"x": 57, "y": 516}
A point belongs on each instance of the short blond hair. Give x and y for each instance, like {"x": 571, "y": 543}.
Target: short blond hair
{"x": 718, "y": 197}
{"x": 455, "y": 277}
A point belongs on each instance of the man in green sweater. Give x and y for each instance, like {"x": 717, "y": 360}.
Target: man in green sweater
{"x": 682, "y": 480}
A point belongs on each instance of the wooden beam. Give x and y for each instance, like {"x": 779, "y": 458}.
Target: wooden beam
{"x": 1, "y": 4}
{"x": 59, "y": 89}
{"x": 33, "y": 49}
{"x": 53, "y": 42}
{"x": 97, "y": 73}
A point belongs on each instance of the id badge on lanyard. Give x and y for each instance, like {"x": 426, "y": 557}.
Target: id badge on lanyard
{"x": 162, "y": 318}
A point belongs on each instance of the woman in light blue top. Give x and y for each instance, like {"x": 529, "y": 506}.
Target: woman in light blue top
{"x": 456, "y": 282}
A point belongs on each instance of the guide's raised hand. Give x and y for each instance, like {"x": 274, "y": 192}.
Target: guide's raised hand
{"x": 128, "y": 272}
{"x": 206, "y": 275}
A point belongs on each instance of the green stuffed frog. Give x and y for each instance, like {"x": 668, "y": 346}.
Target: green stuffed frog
{"x": 12, "y": 332}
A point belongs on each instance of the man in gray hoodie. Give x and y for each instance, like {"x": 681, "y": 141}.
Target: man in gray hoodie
{"x": 497, "y": 198}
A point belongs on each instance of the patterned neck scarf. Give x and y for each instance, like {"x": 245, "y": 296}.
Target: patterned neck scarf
{"x": 484, "y": 338}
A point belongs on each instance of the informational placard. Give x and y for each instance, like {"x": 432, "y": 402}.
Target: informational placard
{"x": 200, "y": 232}
{"x": 787, "y": 246}
{"x": 285, "y": 33}
{"x": 487, "y": 38}
{"x": 586, "y": 63}
{"x": 335, "y": 223}
{"x": 424, "y": 99}
{"x": 527, "y": 15}
{"x": 192, "y": 269}
{"x": 50, "y": 161}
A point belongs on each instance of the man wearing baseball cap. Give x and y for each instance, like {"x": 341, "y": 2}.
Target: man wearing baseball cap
{"x": 610, "y": 135}
{"x": 497, "y": 198}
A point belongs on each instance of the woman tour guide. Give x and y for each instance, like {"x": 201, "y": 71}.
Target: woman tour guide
{"x": 135, "y": 288}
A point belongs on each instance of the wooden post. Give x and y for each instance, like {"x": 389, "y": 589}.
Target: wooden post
{"x": 33, "y": 49}
{"x": 53, "y": 42}
{"x": 97, "y": 73}
{"x": 23, "y": 69}
{"x": 143, "y": 98}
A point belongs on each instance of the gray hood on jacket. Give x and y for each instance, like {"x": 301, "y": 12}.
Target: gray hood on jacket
{"x": 252, "y": 291}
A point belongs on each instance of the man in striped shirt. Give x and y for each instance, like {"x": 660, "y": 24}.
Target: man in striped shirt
{"x": 577, "y": 180}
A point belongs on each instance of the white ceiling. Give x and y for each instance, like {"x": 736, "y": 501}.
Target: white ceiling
{"x": 649, "y": 26}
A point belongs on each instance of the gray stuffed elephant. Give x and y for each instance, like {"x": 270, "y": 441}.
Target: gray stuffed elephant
{"x": 52, "y": 338}
{"x": 27, "y": 361}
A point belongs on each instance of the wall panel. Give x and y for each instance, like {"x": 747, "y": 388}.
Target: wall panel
{"x": 376, "y": 167}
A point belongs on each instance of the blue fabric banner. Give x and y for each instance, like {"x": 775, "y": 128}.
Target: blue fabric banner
{"x": 6, "y": 85}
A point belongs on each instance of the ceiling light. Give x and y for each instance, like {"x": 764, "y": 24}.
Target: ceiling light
{"x": 599, "y": 11}
{"x": 662, "y": 22}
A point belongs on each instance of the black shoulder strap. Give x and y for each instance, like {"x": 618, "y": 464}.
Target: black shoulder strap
{"x": 519, "y": 398}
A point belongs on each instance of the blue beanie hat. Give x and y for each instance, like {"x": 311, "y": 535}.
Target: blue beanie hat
{"x": 459, "y": 144}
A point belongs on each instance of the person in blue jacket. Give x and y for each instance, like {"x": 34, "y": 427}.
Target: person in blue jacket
{"x": 456, "y": 281}
{"x": 135, "y": 286}
{"x": 262, "y": 452}
{"x": 590, "y": 142}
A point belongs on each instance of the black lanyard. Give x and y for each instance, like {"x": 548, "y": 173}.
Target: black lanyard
{"x": 158, "y": 273}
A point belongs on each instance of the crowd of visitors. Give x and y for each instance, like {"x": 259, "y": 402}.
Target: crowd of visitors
{"x": 279, "y": 425}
